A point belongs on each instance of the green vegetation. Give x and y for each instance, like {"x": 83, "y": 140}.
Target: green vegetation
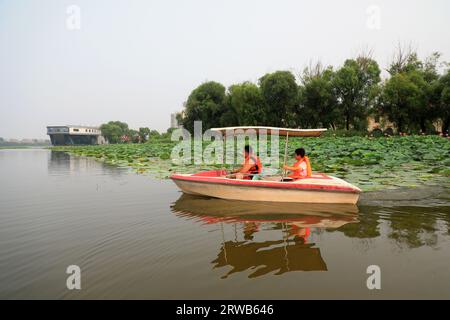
{"x": 370, "y": 163}
{"x": 413, "y": 97}
{"x": 117, "y": 132}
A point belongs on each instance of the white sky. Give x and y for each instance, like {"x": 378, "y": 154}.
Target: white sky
{"x": 137, "y": 61}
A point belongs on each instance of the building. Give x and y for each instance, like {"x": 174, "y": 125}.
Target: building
{"x": 380, "y": 124}
{"x": 173, "y": 120}
{"x": 383, "y": 125}
{"x": 75, "y": 135}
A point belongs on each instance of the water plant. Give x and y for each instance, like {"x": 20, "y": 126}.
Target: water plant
{"x": 370, "y": 163}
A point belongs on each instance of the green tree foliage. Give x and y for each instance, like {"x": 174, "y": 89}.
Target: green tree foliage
{"x": 411, "y": 96}
{"x": 441, "y": 100}
{"x": 133, "y": 136}
{"x": 400, "y": 98}
{"x": 144, "y": 134}
{"x": 280, "y": 94}
{"x": 246, "y": 101}
{"x": 404, "y": 61}
{"x": 317, "y": 101}
{"x": 114, "y": 130}
{"x": 153, "y": 134}
{"x": 434, "y": 83}
{"x": 355, "y": 84}
{"x": 206, "y": 103}
{"x": 421, "y": 111}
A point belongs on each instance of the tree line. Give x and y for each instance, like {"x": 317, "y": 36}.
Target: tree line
{"x": 119, "y": 132}
{"x": 413, "y": 96}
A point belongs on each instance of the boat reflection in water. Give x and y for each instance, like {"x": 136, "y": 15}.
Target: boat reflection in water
{"x": 290, "y": 250}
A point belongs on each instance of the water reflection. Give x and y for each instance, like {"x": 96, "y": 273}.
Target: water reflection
{"x": 63, "y": 163}
{"x": 411, "y": 226}
{"x": 277, "y": 256}
{"x": 291, "y": 225}
{"x": 408, "y": 226}
{"x": 213, "y": 210}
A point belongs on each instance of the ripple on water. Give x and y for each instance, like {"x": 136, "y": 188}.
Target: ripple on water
{"x": 136, "y": 237}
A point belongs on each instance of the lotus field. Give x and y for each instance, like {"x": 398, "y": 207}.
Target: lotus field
{"x": 369, "y": 163}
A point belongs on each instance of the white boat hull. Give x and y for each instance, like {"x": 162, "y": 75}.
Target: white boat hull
{"x": 262, "y": 193}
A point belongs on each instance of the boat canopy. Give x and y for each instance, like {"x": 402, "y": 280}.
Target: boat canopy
{"x": 275, "y": 130}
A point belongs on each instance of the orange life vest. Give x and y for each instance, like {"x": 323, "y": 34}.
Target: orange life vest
{"x": 298, "y": 173}
{"x": 257, "y": 167}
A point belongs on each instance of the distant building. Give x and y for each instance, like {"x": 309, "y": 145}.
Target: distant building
{"x": 75, "y": 135}
{"x": 380, "y": 124}
{"x": 173, "y": 120}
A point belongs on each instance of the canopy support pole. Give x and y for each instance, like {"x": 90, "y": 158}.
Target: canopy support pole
{"x": 224, "y": 154}
{"x": 285, "y": 152}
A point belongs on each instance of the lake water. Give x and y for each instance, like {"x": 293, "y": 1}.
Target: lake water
{"x": 137, "y": 237}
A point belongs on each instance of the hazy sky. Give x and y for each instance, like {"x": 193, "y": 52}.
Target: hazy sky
{"x": 137, "y": 61}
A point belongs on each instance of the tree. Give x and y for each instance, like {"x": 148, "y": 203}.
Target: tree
{"x": 144, "y": 134}
{"x": 133, "y": 136}
{"x": 424, "y": 76}
{"x": 317, "y": 100}
{"x": 154, "y": 134}
{"x": 441, "y": 92}
{"x": 405, "y": 59}
{"x": 421, "y": 111}
{"x": 400, "y": 99}
{"x": 229, "y": 117}
{"x": 114, "y": 130}
{"x": 280, "y": 93}
{"x": 355, "y": 84}
{"x": 246, "y": 103}
{"x": 427, "y": 78}
{"x": 206, "y": 103}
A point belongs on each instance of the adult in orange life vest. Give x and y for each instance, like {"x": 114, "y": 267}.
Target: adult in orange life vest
{"x": 302, "y": 168}
{"x": 251, "y": 165}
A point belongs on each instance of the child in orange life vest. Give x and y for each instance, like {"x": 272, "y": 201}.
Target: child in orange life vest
{"x": 302, "y": 168}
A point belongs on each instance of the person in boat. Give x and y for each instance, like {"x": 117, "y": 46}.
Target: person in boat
{"x": 250, "y": 167}
{"x": 301, "y": 168}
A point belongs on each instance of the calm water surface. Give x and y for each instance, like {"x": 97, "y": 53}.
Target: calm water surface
{"x": 136, "y": 237}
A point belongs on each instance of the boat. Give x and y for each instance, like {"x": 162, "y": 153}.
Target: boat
{"x": 318, "y": 188}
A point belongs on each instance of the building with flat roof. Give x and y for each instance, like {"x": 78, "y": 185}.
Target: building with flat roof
{"x": 75, "y": 135}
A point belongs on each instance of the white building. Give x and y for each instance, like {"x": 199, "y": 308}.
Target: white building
{"x": 67, "y": 135}
{"x": 173, "y": 120}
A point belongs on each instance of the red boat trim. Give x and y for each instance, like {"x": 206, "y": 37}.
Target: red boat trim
{"x": 262, "y": 184}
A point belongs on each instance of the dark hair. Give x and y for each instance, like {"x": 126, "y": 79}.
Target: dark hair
{"x": 248, "y": 149}
{"x": 300, "y": 152}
